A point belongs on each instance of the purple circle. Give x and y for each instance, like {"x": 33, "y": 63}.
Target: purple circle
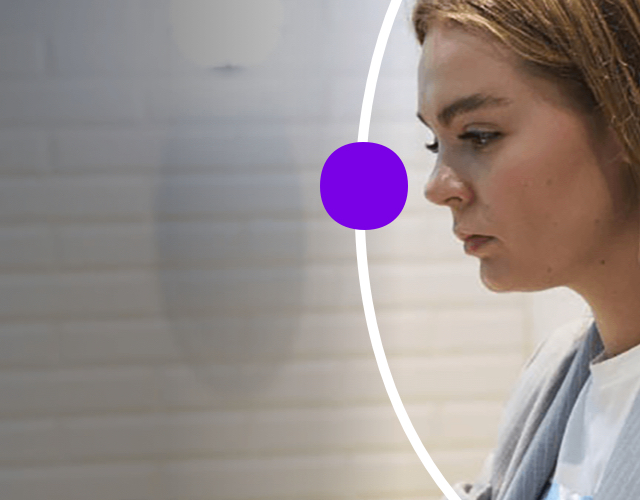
{"x": 363, "y": 185}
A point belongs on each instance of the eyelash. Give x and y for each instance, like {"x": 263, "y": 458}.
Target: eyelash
{"x": 477, "y": 136}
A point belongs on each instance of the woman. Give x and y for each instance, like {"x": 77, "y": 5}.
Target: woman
{"x": 535, "y": 110}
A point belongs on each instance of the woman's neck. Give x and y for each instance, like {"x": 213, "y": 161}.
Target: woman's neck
{"x": 613, "y": 293}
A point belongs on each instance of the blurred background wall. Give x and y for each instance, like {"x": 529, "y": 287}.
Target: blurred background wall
{"x": 179, "y": 317}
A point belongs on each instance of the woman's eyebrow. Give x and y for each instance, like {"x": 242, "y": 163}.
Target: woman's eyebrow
{"x": 466, "y": 105}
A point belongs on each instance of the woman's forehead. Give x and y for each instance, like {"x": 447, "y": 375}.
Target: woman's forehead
{"x": 456, "y": 63}
{"x": 453, "y": 54}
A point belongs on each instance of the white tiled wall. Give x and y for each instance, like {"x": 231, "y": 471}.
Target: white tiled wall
{"x": 179, "y": 318}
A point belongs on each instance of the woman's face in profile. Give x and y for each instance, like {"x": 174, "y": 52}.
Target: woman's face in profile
{"x": 517, "y": 163}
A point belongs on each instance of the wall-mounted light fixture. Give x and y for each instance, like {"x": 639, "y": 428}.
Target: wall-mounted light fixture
{"x": 226, "y": 33}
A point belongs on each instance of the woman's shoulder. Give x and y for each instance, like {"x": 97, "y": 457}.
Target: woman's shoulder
{"x": 547, "y": 365}
{"x": 526, "y": 406}
{"x": 534, "y": 391}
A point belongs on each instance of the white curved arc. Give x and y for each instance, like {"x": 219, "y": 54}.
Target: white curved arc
{"x": 363, "y": 271}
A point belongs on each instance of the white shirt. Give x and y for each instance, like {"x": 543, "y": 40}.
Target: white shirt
{"x": 593, "y": 427}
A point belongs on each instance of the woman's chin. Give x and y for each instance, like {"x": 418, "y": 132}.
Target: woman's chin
{"x": 502, "y": 280}
{"x": 499, "y": 279}
{"x": 496, "y": 285}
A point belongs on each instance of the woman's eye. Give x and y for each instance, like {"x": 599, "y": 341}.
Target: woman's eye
{"x": 479, "y": 139}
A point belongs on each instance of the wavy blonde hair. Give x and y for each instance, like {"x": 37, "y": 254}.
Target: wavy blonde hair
{"x": 591, "y": 48}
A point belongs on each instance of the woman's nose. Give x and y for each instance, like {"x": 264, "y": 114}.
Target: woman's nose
{"x": 445, "y": 187}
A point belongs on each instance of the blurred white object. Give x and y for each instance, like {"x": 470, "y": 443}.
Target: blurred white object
{"x": 215, "y": 33}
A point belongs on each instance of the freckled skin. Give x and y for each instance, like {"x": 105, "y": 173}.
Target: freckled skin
{"x": 539, "y": 188}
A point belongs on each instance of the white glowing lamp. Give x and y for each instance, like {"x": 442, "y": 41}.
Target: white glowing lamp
{"x": 221, "y": 33}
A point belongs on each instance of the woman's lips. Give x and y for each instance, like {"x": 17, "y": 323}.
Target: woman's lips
{"x": 475, "y": 242}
